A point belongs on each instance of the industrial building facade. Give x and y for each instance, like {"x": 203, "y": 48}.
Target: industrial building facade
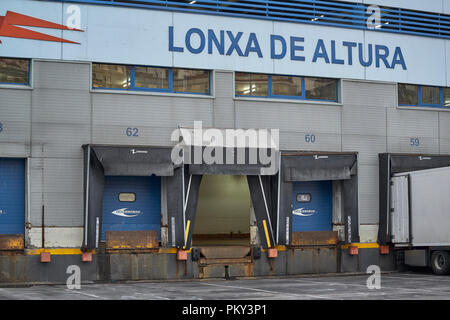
{"x": 92, "y": 92}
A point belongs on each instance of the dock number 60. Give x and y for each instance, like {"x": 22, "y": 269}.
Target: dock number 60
{"x": 310, "y": 138}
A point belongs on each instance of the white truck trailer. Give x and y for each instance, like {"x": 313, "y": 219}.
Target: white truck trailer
{"x": 420, "y": 217}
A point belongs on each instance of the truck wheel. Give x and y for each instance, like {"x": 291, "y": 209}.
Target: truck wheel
{"x": 440, "y": 262}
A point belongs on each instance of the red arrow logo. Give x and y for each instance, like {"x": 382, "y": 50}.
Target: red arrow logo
{"x": 10, "y": 22}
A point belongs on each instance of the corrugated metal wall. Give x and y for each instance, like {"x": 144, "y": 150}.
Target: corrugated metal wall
{"x": 364, "y": 131}
{"x": 15, "y": 115}
{"x": 155, "y": 117}
{"x": 444, "y": 132}
{"x": 61, "y": 123}
{"x": 60, "y": 114}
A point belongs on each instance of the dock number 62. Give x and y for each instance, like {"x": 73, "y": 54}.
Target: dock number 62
{"x": 132, "y": 132}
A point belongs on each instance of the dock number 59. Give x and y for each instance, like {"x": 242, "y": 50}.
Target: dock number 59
{"x": 414, "y": 142}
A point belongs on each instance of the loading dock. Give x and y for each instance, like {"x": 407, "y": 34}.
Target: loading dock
{"x": 223, "y": 211}
{"x": 322, "y": 188}
{"x": 123, "y": 191}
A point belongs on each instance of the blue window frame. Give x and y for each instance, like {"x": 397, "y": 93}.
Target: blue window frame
{"x": 15, "y": 71}
{"x": 256, "y": 85}
{"x": 423, "y": 96}
{"x": 161, "y": 79}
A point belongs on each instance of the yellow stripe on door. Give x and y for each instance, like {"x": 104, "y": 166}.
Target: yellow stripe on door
{"x": 267, "y": 233}
{"x": 187, "y": 231}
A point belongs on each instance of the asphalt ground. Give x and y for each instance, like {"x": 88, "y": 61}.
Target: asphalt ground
{"x": 393, "y": 286}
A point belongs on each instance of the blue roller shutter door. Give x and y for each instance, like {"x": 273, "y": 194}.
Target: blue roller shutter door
{"x": 12, "y": 196}
{"x": 312, "y": 206}
{"x": 142, "y": 214}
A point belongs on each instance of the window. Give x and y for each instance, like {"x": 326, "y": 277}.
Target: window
{"x": 430, "y": 95}
{"x": 446, "y": 97}
{"x": 110, "y": 76}
{"x": 303, "y": 197}
{"x": 14, "y": 71}
{"x": 151, "y": 78}
{"x": 321, "y": 88}
{"x": 423, "y": 96}
{"x": 252, "y": 84}
{"x": 145, "y": 78}
{"x": 408, "y": 94}
{"x": 288, "y": 87}
{"x": 127, "y": 197}
{"x": 193, "y": 81}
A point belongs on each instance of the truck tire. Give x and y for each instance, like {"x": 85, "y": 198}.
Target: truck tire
{"x": 440, "y": 262}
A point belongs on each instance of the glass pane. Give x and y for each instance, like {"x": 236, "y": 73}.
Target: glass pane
{"x": 110, "y": 76}
{"x": 252, "y": 84}
{"x": 408, "y": 94}
{"x": 446, "y": 97}
{"x": 260, "y": 85}
{"x": 127, "y": 197}
{"x": 242, "y": 83}
{"x": 192, "y": 81}
{"x": 321, "y": 88}
{"x": 431, "y": 95}
{"x": 286, "y": 86}
{"x": 303, "y": 197}
{"x": 14, "y": 70}
{"x": 148, "y": 77}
